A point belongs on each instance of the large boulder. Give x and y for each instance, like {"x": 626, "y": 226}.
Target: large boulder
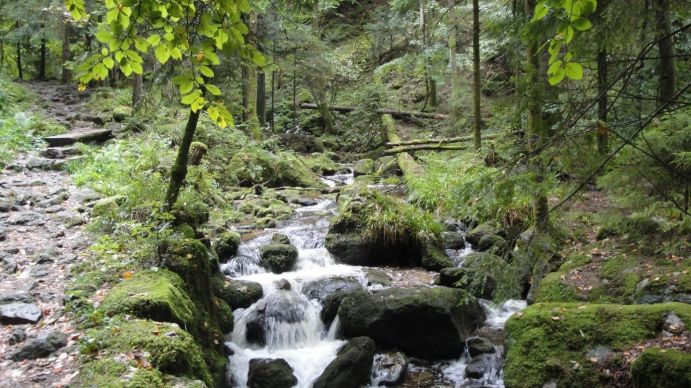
{"x": 375, "y": 230}
{"x": 363, "y": 167}
{"x": 279, "y": 256}
{"x": 330, "y": 292}
{"x": 388, "y": 368}
{"x": 424, "y": 322}
{"x": 351, "y": 367}
{"x": 227, "y": 246}
{"x": 483, "y": 230}
{"x": 237, "y": 293}
{"x": 270, "y": 373}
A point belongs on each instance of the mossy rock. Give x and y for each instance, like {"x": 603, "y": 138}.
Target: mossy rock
{"x": 549, "y": 341}
{"x": 256, "y": 166}
{"x": 374, "y": 229}
{"x": 226, "y": 246}
{"x": 553, "y": 289}
{"x": 186, "y": 231}
{"x": 261, "y": 208}
{"x": 121, "y": 113}
{"x": 363, "y": 167}
{"x": 668, "y": 368}
{"x": 278, "y": 258}
{"x": 170, "y": 349}
{"x": 477, "y": 233}
{"x": 159, "y": 296}
{"x": 117, "y": 372}
{"x": 193, "y": 214}
{"x": 237, "y": 293}
{"x": 322, "y": 163}
{"x": 226, "y": 320}
{"x": 107, "y": 206}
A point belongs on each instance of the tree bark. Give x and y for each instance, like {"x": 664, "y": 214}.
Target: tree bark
{"x": 137, "y": 91}
{"x": 179, "y": 170}
{"x": 454, "y": 106}
{"x": 476, "y": 75}
{"x": 261, "y": 98}
{"x": 19, "y": 58}
{"x": 424, "y": 147}
{"x": 602, "y": 136}
{"x": 324, "y": 109}
{"x": 666, "y": 65}
{"x": 42, "y": 58}
{"x": 197, "y": 152}
{"x": 430, "y": 83}
{"x": 66, "y": 53}
{"x": 535, "y": 124}
{"x": 391, "y": 111}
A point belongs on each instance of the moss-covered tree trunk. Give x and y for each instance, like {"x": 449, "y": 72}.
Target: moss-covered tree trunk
{"x": 253, "y": 124}
{"x": 19, "y": 57}
{"x": 319, "y": 95}
{"x": 430, "y": 83}
{"x": 666, "y": 66}
{"x": 535, "y": 124}
{"x": 179, "y": 170}
{"x": 476, "y": 75}
{"x": 43, "y": 55}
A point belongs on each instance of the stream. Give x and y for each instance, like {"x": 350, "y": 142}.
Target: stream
{"x": 292, "y": 326}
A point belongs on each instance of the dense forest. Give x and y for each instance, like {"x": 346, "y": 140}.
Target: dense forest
{"x": 345, "y": 193}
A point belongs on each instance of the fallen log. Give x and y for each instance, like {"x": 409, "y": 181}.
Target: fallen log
{"x": 405, "y": 162}
{"x": 424, "y": 147}
{"x": 390, "y": 111}
{"x": 438, "y": 141}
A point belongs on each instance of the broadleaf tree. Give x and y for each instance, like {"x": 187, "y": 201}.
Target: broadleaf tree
{"x": 189, "y": 33}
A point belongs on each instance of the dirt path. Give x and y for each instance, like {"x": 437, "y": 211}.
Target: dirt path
{"x": 42, "y": 215}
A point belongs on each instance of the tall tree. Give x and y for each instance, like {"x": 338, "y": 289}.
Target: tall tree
{"x": 454, "y": 104}
{"x": 430, "y": 83}
{"x": 667, "y": 70}
{"x": 476, "y": 75}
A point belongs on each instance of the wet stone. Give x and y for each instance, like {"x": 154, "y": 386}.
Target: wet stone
{"x": 40, "y": 347}
{"x": 673, "y": 324}
{"x": 18, "y": 313}
{"x": 479, "y": 345}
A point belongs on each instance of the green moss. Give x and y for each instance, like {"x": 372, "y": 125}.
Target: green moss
{"x": 117, "y": 373}
{"x": 662, "y": 368}
{"x": 193, "y": 214}
{"x": 322, "y": 163}
{"x": 253, "y": 166}
{"x": 170, "y": 349}
{"x": 159, "y": 296}
{"x": 549, "y": 341}
{"x": 278, "y": 257}
{"x": 553, "y": 289}
{"x": 225, "y": 315}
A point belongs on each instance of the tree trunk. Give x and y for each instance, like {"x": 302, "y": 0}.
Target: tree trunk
{"x": 450, "y": 140}
{"x": 476, "y": 75}
{"x": 197, "y": 152}
{"x": 666, "y": 66}
{"x": 42, "y": 61}
{"x": 424, "y": 147}
{"x": 535, "y": 124}
{"x": 245, "y": 82}
{"x": 251, "y": 107}
{"x": 137, "y": 91}
{"x": 602, "y": 136}
{"x": 430, "y": 83}
{"x": 19, "y": 60}
{"x": 261, "y": 98}
{"x": 66, "y": 54}
{"x": 454, "y": 106}
{"x": 179, "y": 170}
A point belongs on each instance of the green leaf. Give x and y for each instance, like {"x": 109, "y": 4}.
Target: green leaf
{"x": 582, "y": 24}
{"x": 557, "y": 77}
{"x": 258, "y": 59}
{"x": 541, "y": 11}
{"x": 554, "y": 67}
{"x": 109, "y": 62}
{"x": 104, "y": 36}
{"x": 212, "y": 57}
{"x": 154, "y": 40}
{"x": 573, "y": 70}
{"x": 162, "y": 54}
{"x": 206, "y": 71}
{"x": 186, "y": 87}
{"x": 213, "y": 89}
{"x": 190, "y": 98}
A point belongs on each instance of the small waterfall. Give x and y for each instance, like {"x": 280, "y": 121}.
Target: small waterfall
{"x": 285, "y": 323}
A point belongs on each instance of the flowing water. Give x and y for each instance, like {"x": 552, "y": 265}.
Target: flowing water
{"x": 293, "y": 329}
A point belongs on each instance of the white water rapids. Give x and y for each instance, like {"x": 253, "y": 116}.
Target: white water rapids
{"x": 293, "y": 328}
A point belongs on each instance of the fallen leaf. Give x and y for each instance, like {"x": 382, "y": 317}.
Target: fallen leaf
{"x": 127, "y": 275}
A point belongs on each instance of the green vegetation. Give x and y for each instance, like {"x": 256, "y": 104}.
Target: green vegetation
{"x": 550, "y": 341}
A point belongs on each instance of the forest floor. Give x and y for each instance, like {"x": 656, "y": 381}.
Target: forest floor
{"x": 42, "y": 218}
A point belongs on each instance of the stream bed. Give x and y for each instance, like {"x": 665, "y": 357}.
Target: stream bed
{"x": 290, "y": 324}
